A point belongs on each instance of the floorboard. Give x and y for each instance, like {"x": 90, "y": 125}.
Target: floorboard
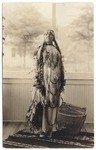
{"x": 89, "y": 127}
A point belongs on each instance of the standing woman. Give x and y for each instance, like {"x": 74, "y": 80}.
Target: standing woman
{"x": 42, "y": 113}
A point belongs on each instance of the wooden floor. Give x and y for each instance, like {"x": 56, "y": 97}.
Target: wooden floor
{"x": 10, "y": 128}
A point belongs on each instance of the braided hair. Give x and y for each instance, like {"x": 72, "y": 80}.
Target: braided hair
{"x": 39, "y": 77}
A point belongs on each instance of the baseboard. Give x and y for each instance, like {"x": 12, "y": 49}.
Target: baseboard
{"x": 14, "y": 121}
{"x": 87, "y": 122}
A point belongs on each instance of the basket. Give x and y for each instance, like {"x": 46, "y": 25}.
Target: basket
{"x": 71, "y": 118}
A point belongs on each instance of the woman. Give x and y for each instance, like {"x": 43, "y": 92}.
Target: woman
{"x": 42, "y": 113}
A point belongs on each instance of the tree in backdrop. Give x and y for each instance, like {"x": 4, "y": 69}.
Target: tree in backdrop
{"x": 22, "y": 31}
{"x": 84, "y": 31}
{"x": 3, "y": 31}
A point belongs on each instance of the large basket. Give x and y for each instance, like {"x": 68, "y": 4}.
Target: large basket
{"x": 71, "y": 118}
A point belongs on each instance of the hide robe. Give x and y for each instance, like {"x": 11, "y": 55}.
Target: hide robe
{"x": 48, "y": 86}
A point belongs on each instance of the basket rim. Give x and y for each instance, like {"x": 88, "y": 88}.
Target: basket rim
{"x": 74, "y": 116}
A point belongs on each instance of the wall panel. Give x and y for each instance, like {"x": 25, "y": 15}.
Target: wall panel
{"x": 17, "y": 95}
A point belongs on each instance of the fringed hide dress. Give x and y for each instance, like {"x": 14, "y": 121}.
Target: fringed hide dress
{"x": 52, "y": 82}
{"x": 49, "y": 83}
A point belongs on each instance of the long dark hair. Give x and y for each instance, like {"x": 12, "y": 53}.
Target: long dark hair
{"x": 40, "y": 83}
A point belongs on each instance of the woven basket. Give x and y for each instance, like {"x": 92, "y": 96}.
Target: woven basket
{"x": 71, "y": 118}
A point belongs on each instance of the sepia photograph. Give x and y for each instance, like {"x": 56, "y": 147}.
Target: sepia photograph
{"x": 48, "y": 75}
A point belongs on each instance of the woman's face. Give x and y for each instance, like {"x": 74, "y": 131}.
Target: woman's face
{"x": 48, "y": 38}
